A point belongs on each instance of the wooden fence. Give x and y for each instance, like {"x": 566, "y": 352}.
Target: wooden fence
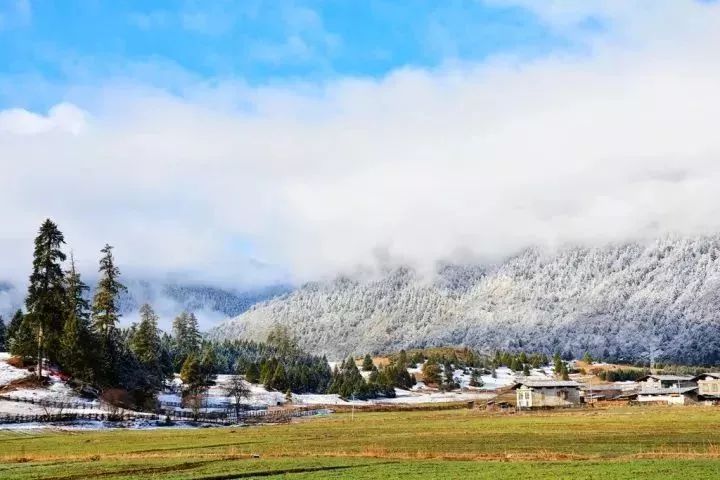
{"x": 266, "y": 416}
{"x": 52, "y": 403}
{"x": 69, "y": 417}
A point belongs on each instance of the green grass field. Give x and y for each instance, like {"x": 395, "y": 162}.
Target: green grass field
{"x": 616, "y": 443}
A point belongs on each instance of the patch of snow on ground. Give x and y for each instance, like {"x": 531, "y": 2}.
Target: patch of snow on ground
{"x": 8, "y": 373}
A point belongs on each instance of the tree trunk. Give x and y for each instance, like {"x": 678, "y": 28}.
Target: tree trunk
{"x": 39, "y": 355}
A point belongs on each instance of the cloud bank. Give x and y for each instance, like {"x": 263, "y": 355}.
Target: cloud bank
{"x": 225, "y": 182}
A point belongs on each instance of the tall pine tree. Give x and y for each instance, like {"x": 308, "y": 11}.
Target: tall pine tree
{"x": 21, "y": 339}
{"x": 77, "y": 345}
{"x": 186, "y": 334}
{"x": 13, "y": 327}
{"x": 105, "y": 316}
{"x": 106, "y": 312}
{"x": 45, "y": 301}
{"x": 145, "y": 341}
{"x": 145, "y": 344}
{"x": 3, "y": 336}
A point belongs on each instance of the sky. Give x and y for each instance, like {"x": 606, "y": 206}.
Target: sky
{"x": 247, "y": 143}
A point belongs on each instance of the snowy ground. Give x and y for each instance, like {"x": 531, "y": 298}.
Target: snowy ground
{"x": 217, "y": 399}
{"x": 57, "y": 391}
{"x": 259, "y": 397}
{"x": 504, "y": 377}
{"x": 91, "y": 425}
{"x": 8, "y": 373}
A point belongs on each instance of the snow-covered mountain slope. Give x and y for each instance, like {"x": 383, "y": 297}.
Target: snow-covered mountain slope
{"x": 211, "y": 304}
{"x": 227, "y": 302}
{"x": 622, "y": 302}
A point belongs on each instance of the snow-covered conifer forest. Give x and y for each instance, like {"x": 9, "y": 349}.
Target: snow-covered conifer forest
{"x": 630, "y": 302}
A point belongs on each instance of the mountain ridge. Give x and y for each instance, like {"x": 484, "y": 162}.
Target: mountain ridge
{"x": 634, "y": 301}
{"x": 210, "y": 303}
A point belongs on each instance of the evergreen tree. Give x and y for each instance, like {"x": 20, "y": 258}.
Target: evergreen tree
{"x": 252, "y": 374}
{"x": 431, "y": 372}
{"x": 45, "y": 301}
{"x": 558, "y": 363}
{"x": 282, "y": 339}
{"x": 187, "y": 336}
{"x": 348, "y": 382}
{"x": 13, "y": 327}
{"x": 398, "y": 376}
{"x": 106, "y": 312}
{"x": 192, "y": 333}
{"x": 279, "y": 379}
{"x": 449, "y": 373}
{"x": 417, "y": 359}
{"x": 191, "y": 375}
{"x": 3, "y": 336}
{"x": 535, "y": 361}
{"x": 105, "y": 315}
{"x": 368, "y": 364}
{"x": 475, "y": 379}
{"x": 526, "y": 370}
{"x": 208, "y": 365}
{"x": 564, "y": 372}
{"x": 77, "y": 344}
{"x": 23, "y": 343}
{"x": 145, "y": 345}
{"x": 179, "y": 329}
{"x": 402, "y": 359}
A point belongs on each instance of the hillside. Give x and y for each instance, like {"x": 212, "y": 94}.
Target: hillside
{"x": 621, "y": 302}
{"x": 211, "y": 304}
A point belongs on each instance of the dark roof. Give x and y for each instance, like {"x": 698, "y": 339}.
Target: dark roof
{"x": 667, "y": 378}
{"x": 666, "y": 391}
{"x": 601, "y": 387}
{"x": 547, "y": 384}
{"x": 707, "y": 374}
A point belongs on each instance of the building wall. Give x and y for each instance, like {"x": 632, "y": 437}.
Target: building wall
{"x": 547, "y": 397}
{"x": 669, "y": 399}
{"x": 650, "y": 384}
{"x": 523, "y": 397}
{"x": 710, "y": 386}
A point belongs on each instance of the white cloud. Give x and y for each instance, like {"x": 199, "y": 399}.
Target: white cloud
{"x": 466, "y": 160}
{"x": 63, "y": 117}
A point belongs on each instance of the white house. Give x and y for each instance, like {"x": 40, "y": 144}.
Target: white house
{"x": 709, "y": 387}
{"x": 546, "y": 393}
{"x": 669, "y": 389}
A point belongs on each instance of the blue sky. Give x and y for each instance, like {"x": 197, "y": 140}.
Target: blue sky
{"x": 48, "y": 45}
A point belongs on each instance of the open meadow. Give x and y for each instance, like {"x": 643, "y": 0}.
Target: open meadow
{"x": 630, "y": 442}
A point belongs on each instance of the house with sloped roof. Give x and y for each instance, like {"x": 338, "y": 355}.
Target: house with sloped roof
{"x": 670, "y": 396}
{"x": 708, "y": 387}
{"x": 668, "y": 389}
{"x": 658, "y": 382}
{"x": 604, "y": 391}
{"x": 546, "y": 393}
